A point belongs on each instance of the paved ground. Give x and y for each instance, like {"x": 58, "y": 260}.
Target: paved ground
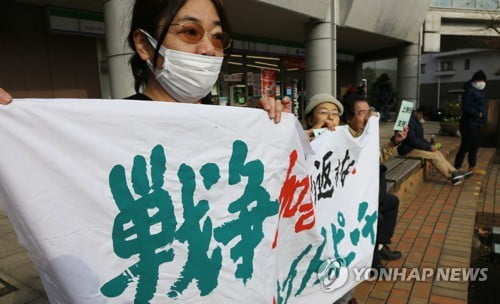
{"x": 435, "y": 227}
{"x": 19, "y": 281}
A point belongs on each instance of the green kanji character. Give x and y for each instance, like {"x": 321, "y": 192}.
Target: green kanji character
{"x": 254, "y": 206}
{"x": 135, "y": 227}
{"x": 198, "y": 266}
{"x": 338, "y": 235}
{"x": 314, "y": 265}
{"x": 292, "y": 273}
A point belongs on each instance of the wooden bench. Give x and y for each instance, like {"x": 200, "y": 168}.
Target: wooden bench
{"x": 402, "y": 173}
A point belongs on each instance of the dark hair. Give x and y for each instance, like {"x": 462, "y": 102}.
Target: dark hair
{"x": 349, "y": 104}
{"x": 147, "y": 15}
{"x": 425, "y": 110}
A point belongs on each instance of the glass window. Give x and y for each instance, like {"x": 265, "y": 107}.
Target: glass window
{"x": 488, "y": 4}
{"x": 422, "y": 68}
{"x": 441, "y": 3}
{"x": 467, "y": 64}
{"x": 464, "y": 3}
{"x": 447, "y": 66}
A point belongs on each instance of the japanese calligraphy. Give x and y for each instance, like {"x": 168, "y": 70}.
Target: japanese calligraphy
{"x": 135, "y": 228}
{"x": 291, "y": 204}
{"x": 249, "y": 223}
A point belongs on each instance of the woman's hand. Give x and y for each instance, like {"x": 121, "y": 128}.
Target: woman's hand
{"x": 5, "y": 97}
{"x": 274, "y": 107}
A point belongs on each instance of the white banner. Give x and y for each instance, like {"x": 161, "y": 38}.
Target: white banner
{"x": 149, "y": 202}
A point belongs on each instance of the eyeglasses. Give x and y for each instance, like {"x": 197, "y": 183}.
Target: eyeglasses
{"x": 192, "y": 32}
{"x": 326, "y": 112}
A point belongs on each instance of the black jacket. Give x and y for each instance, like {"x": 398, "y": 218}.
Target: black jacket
{"x": 415, "y": 138}
{"x": 473, "y": 103}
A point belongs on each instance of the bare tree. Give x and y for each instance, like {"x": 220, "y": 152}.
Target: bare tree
{"x": 494, "y": 23}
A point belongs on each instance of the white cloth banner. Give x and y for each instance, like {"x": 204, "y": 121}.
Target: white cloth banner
{"x": 149, "y": 202}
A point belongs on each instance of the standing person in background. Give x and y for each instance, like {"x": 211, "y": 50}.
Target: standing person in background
{"x": 362, "y": 89}
{"x": 384, "y": 95}
{"x": 474, "y": 115}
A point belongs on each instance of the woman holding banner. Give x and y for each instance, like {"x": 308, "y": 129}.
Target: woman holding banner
{"x": 186, "y": 64}
{"x": 322, "y": 112}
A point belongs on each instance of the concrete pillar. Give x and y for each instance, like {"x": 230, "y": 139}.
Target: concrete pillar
{"x": 321, "y": 54}
{"x": 117, "y": 17}
{"x": 409, "y": 73}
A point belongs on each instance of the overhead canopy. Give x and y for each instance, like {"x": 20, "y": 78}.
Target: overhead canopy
{"x": 364, "y": 26}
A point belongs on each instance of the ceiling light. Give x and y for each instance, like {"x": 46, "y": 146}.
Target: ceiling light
{"x": 262, "y": 67}
{"x": 265, "y": 63}
{"x": 262, "y": 57}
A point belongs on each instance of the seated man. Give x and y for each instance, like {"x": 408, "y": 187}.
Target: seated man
{"x": 415, "y": 145}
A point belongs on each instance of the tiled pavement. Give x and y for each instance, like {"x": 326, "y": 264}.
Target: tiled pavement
{"x": 19, "y": 281}
{"x": 435, "y": 230}
{"x": 435, "y": 226}
{"x": 488, "y": 205}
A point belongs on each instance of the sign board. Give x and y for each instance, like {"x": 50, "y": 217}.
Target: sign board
{"x": 75, "y": 21}
{"x": 268, "y": 82}
{"x": 404, "y": 115}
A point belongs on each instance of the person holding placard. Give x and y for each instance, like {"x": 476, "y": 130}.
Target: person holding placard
{"x": 415, "y": 145}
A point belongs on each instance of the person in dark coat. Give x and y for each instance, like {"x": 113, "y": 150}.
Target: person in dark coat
{"x": 474, "y": 115}
{"x": 415, "y": 145}
{"x": 384, "y": 95}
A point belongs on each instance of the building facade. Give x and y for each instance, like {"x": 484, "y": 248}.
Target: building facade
{"x": 461, "y": 37}
{"x": 77, "y": 48}
{"x": 444, "y": 74}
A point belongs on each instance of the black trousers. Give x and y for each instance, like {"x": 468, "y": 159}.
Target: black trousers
{"x": 471, "y": 139}
{"x": 388, "y": 210}
{"x": 388, "y": 214}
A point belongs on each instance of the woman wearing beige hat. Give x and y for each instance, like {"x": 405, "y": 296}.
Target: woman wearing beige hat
{"x": 322, "y": 113}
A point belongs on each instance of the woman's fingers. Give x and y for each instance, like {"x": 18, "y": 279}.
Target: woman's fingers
{"x": 5, "y": 97}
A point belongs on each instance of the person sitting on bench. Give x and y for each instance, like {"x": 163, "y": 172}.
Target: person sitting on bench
{"x": 415, "y": 145}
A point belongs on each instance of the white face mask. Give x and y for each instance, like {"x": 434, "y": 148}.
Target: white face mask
{"x": 185, "y": 76}
{"x": 480, "y": 85}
